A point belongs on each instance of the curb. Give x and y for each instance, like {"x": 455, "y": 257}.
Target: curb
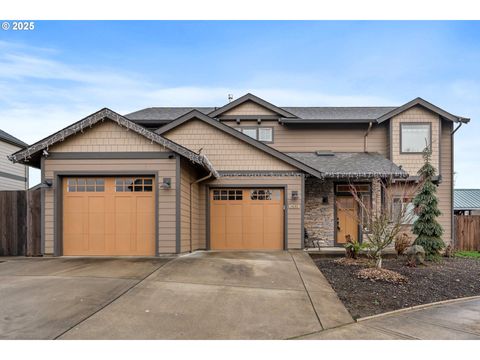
{"x": 418, "y": 307}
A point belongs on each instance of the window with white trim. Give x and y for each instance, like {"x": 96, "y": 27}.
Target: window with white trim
{"x": 264, "y": 134}
{"x": 415, "y": 137}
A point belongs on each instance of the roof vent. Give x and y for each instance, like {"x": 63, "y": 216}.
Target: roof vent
{"x": 324, "y": 153}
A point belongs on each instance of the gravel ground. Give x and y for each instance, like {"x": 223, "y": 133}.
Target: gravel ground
{"x": 449, "y": 278}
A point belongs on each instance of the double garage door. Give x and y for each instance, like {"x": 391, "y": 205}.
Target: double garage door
{"x": 244, "y": 219}
{"x": 108, "y": 216}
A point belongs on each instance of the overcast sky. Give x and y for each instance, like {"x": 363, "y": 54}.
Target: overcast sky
{"x": 63, "y": 71}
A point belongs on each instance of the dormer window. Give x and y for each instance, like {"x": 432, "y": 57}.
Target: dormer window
{"x": 415, "y": 137}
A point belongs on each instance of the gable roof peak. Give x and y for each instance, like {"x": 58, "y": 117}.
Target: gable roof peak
{"x": 424, "y": 103}
{"x": 35, "y": 150}
{"x": 194, "y": 114}
{"x": 255, "y": 99}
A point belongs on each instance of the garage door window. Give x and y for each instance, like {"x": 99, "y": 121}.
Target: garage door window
{"x": 264, "y": 194}
{"x": 231, "y": 194}
{"x": 85, "y": 185}
{"x": 133, "y": 184}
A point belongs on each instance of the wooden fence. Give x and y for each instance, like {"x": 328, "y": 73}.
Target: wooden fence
{"x": 467, "y": 232}
{"x": 20, "y": 223}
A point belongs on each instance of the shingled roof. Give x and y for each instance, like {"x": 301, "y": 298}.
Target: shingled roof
{"x": 164, "y": 113}
{"x": 314, "y": 113}
{"x": 293, "y": 115}
{"x": 350, "y": 165}
{"x": 344, "y": 113}
{"x": 466, "y": 199}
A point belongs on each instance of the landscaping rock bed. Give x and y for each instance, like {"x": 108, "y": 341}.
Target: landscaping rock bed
{"x": 449, "y": 278}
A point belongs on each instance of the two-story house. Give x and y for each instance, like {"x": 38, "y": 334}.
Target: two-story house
{"x": 12, "y": 176}
{"x": 249, "y": 175}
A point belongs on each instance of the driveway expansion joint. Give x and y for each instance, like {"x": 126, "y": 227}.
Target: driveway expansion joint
{"x": 308, "y": 294}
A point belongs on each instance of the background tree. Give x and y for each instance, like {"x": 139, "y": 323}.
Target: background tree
{"x": 426, "y": 227}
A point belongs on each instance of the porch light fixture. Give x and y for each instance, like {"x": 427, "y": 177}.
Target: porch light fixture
{"x": 325, "y": 199}
{"x": 166, "y": 183}
{"x": 294, "y": 195}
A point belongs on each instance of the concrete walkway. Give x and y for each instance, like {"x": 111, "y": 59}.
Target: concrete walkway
{"x": 205, "y": 295}
{"x": 453, "y": 320}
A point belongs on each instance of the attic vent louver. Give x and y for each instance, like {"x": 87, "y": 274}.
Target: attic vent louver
{"x": 324, "y": 153}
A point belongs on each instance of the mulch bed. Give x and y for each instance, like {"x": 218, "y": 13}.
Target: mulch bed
{"x": 449, "y": 278}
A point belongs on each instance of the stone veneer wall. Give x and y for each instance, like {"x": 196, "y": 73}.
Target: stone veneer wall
{"x": 318, "y": 217}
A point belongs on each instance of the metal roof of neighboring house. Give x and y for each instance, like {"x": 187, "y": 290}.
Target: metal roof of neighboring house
{"x": 11, "y": 139}
{"x": 350, "y": 165}
{"x": 466, "y": 199}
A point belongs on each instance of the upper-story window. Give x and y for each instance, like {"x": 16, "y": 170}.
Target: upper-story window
{"x": 264, "y": 134}
{"x": 415, "y": 137}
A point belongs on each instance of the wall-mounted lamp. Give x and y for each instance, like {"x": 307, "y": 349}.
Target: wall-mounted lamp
{"x": 166, "y": 183}
{"x": 294, "y": 195}
{"x": 325, "y": 199}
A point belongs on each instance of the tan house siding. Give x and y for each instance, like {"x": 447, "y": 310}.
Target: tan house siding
{"x": 6, "y": 166}
{"x": 334, "y": 137}
{"x": 412, "y": 162}
{"x": 293, "y": 183}
{"x": 249, "y": 108}
{"x": 224, "y": 151}
{"x": 194, "y": 215}
{"x": 118, "y": 139}
{"x": 107, "y": 136}
{"x": 444, "y": 190}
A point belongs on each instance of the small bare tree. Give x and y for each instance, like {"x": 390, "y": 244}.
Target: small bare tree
{"x": 384, "y": 221}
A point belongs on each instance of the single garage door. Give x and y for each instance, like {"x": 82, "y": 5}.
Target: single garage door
{"x": 107, "y": 216}
{"x": 246, "y": 219}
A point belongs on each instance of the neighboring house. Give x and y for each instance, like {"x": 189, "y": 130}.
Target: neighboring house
{"x": 466, "y": 201}
{"x": 249, "y": 175}
{"x": 12, "y": 176}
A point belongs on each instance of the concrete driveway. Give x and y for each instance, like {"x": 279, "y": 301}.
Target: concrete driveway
{"x": 205, "y": 295}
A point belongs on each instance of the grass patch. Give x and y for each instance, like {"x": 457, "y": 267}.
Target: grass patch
{"x": 468, "y": 254}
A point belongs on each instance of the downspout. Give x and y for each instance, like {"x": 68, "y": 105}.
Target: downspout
{"x": 191, "y": 213}
{"x": 452, "y": 222}
{"x": 365, "y": 137}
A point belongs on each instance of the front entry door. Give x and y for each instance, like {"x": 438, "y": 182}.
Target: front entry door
{"x": 347, "y": 219}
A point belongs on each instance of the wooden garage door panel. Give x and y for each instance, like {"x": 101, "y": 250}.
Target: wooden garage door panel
{"x": 110, "y": 219}
{"x": 247, "y": 221}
